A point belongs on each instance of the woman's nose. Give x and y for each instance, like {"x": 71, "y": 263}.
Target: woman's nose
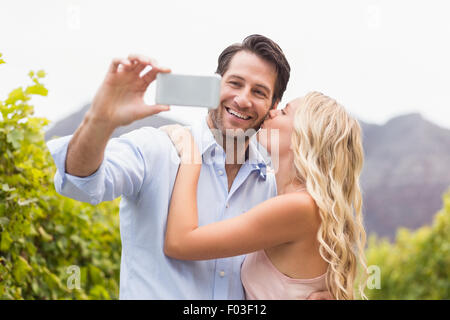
{"x": 273, "y": 113}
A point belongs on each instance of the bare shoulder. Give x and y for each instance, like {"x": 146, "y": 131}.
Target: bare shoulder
{"x": 300, "y": 201}
{"x": 300, "y": 206}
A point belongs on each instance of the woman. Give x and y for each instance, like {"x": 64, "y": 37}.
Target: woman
{"x": 308, "y": 238}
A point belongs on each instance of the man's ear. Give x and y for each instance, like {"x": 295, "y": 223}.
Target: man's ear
{"x": 275, "y": 105}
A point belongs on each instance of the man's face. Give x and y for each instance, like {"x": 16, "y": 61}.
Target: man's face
{"x": 246, "y": 93}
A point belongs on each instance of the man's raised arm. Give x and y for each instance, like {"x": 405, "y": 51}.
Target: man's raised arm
{"x": 119, "y": 101}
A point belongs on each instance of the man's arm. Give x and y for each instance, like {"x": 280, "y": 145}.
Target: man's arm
{"x": 119, "y": 101}
{"x": 87, "y": 146}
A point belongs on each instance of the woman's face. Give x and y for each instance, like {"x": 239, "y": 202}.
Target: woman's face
{"x": 283, "y": 121}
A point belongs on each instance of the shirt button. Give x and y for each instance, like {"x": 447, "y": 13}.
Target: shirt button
{"x": 227, "y": 205}
{"x": 222, "y": 273}
{"x": 220, "y": 172}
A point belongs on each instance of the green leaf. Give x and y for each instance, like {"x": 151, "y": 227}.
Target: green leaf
{"x": 16, "y": 95}
{"x": 2, "y": 209}
{"x": 35, "y": 286}
{"x": 99, "y": 292}
{"x": 53, "y": 281}
{"x": 6, "y": 188}
{"x": 21, "y": 268}
{"x": 31, "y": 248}
{"x": 41, "y": 74}
{"x": 5, "y": 241}
{"x": 45, "y": 236}
{"x": 38, "y": 88}
{"x": 15, "y": 137}
{"x": 26, "y": 202}
{"x": 4, "y": 221}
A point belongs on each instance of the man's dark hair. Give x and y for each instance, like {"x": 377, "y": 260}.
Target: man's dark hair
{"x": 266, "y": 49}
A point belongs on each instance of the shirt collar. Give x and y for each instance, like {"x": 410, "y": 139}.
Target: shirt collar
{"x": 203, "y": 135}
{"x": 255, "y": 159}
{"x": 208, "y": 147}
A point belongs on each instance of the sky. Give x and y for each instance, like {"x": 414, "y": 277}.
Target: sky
{"x": 379, "y": 59}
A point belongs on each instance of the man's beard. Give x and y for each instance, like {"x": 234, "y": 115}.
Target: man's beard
{"x": 217, "y": 123}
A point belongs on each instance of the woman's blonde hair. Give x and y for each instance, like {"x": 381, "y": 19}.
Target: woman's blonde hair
{"x": 328, "y": 157}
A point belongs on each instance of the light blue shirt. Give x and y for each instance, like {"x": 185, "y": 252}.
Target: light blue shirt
{"x": 141, "y": 166}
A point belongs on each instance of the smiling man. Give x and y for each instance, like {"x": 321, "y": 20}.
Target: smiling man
{"x": 139, "y": 167}
{"x": 247, "y": 92}
{"x": 254, "y": 78}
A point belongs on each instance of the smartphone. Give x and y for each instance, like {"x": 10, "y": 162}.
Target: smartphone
{"x": 188, "y": 90}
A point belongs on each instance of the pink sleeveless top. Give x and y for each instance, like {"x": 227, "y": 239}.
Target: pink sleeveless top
{"x": 263, "y": 281}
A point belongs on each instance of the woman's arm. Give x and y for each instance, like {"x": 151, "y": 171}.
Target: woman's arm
{"x": 279, "y": 220}
{"x": 184, "y": 195}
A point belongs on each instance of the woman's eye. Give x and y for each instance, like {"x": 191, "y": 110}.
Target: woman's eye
{"x": 283, "y": 112}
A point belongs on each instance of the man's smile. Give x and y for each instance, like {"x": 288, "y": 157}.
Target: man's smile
{"x": 238, "y": 115}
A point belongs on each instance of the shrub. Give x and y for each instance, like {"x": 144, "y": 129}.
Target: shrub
{"x": 43, "y": 234}
{"x": 417, "y": 265}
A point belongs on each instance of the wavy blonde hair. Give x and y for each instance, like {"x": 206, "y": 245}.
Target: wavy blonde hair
{"x": 328, "y": 158}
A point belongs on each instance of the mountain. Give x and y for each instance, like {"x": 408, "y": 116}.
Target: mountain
{"x": 406, "y": 168}
{"x": 406, "y": 171}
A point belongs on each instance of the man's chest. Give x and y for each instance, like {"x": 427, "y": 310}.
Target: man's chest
{"x": 217, "y": 199}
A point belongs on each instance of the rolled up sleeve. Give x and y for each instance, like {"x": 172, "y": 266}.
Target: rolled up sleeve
{"x": 122, "y": 171}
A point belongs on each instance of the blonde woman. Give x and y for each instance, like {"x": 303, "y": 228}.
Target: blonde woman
{"x": 308, "y": 238}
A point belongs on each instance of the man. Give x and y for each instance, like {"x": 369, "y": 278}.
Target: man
{"x": 139, "y": 166}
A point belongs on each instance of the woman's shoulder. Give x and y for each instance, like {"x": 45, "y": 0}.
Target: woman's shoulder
{"x": 299, "y": 205}
{"x": 298, "y": 199}
{"x": 295, "y": 213}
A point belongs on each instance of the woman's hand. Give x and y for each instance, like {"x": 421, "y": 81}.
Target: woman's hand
{"x": 184, "y": 143}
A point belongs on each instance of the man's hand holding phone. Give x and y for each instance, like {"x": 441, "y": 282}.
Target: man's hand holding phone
{"x": 120, "y": 99}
